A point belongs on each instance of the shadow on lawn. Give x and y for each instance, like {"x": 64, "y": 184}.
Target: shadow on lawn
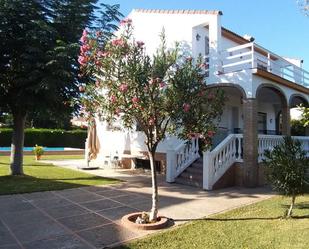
{"x": 242, "y": 219}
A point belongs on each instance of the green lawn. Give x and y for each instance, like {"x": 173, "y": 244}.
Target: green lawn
{"x": 42, "y": 177}
{"x": 250, "y": 227}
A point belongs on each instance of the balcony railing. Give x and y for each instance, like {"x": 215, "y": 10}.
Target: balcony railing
{"x": 252, "y": 56}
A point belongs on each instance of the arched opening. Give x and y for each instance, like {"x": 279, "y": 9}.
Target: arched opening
{"x": 231, "y": 121}
{"x": 296, "y": 103}
{"x": 272, "y": 111}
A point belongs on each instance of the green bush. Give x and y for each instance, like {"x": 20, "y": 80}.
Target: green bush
{"x": 287, "y": 166}
{"x": 297, "y": 128}
{"x": 47, "y": 137}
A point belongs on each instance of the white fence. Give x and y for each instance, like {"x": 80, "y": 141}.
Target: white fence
{"x": 230, "y": 150}
{"x": 252, "y": 56}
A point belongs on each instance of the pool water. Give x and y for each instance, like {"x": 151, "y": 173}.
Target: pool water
{"x": 31, "y": 148}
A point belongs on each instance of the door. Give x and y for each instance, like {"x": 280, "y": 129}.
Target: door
{"x": 262, "y": 123}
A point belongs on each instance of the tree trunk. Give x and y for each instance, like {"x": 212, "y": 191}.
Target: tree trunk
{"x": 291, "y": 207}
{"x": 154, "y": 209}
{"x": 17, "y": 145}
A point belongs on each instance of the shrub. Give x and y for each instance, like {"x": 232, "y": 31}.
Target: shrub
{"x": 47, "y": 137}
{"x": 286, "y": 168}
{"x": 38, "y": 150}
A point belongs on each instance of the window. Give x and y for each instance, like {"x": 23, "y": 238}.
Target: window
{"x": 262, "y": 122}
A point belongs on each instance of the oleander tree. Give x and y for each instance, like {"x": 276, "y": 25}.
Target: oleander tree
{"x": 161, "y": 94}
{"x": 286, "y": 168}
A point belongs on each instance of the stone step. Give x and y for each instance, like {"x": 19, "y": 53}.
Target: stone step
{"x": 194, "y": 170}
{"x": 192, "y": 176}
{"x": 185, "y": 181}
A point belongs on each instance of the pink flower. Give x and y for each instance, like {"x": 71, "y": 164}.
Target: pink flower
{"x": 118, "y": 42}
{"x": 186, "y": 107}
{"x": 98, "y": 33}
{"x": 162, "y": 84}
{"x": 210, "y": 133}
{"x": 85, "y": 48}
{"x": 135, "y": 100}
{"x": 82, "y": 60}
{"x": 125, "y": 21}
{"x": 81, "y": 89}
{"x": 97, "y": 83}
{"x": 113, "y": 99}
{"x": 85, "y": 33}
{"x": 123, "y": 87}
{"x": 117, "y": 111}
{"x": 189, "y": 59}
{"x": 151, "y": 121}
{"x": 151, "y": 81}
{"x": 140, "y": 44}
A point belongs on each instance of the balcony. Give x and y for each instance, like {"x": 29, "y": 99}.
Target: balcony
{"x": 263, "y": 62}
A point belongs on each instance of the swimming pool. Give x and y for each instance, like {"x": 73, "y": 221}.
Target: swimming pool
{"x": 45, "y": 148}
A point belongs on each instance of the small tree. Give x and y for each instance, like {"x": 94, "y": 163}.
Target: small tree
{"x": 164, "y": 93}
{"x": 286, "y": 169}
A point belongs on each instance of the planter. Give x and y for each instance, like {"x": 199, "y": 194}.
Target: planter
{"x": 129, "y": 221}
{"x": 38, "y": 157}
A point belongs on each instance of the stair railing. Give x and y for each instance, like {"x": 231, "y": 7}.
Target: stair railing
{"x": 180, "y": 158}
{"x": 219, "y": 160}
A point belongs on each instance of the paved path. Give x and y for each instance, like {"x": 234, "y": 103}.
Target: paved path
{"x": 89, "y": 217}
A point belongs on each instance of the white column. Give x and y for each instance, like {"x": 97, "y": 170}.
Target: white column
{"x": 215, "y": 44}
{"x": 207, "y": 170}
{"x": 170, "y": 165}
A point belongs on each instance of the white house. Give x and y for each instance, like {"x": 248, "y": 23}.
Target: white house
{"x": 261, "y": 87}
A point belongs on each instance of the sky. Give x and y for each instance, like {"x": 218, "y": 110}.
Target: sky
{"x": 277, "y": 25}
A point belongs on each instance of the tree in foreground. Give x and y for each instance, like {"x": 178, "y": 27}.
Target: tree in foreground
{"x": 39, "y": 43}
{"x": 162, "y": 94}
{"x": 286, "y": 170}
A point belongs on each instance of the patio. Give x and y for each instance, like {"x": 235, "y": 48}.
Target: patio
{"x": 89, "y": 217}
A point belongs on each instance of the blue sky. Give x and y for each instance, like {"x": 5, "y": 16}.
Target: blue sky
{"x": 277, "y": 25}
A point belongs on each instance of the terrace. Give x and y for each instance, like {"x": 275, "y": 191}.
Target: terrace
{"x": 263, "y": 62}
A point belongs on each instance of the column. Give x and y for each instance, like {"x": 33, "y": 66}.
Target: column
{"x": 250, "y": 143}
{"x": 286, "y": 124}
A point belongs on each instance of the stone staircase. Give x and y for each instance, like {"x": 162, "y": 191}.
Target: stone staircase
{"x": 193, "y": 175}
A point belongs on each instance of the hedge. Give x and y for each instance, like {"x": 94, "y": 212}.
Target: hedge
{"x": 47, "y": 137}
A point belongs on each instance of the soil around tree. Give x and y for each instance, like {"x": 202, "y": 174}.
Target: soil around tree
{"x": 129, "y": 221}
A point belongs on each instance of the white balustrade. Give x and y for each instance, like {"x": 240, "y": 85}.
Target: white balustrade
{"x": 253, "y": 56}
{"x": 178, "y": 159}
{"x": 268, "y": 142}
{"x": 219, "y": 160}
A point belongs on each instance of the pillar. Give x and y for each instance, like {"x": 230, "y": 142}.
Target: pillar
{"x": 286, "y": 120}
{"x": 250, "y": 143}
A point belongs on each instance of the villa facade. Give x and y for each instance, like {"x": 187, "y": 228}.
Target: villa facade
{"x": 261, "y": 87}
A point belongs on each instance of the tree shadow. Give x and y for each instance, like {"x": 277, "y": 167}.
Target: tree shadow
{"x": 242, "y": 219}
{"x": 300, "y": 205}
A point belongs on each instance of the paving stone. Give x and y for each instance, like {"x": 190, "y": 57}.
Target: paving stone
{"x": 61, "y": 242}
{"x": 84, "y": 221}
{"x": 15, "y": 205}
{"x": 51, "y": 202}
{"x": 101, "y": 204}
{"x": 84, "y": 197}
{"x": 24, "y": 217}
{"x": 16, "y": 246}
{"x": 39, "y": 230}
{"x": 69, "y": 192}
{"x": 6, "y": 238}
{"x": 39, "y": 195}
{"x": 65, "y": 211}
{"x": 116, "y": 214}
{"x": 142, "y": 206}
{"x": 129, "y": 199}
{"x": 112, "y": 193}
{"x": 107, "y": 235}
{"x": 97, "y": 188}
